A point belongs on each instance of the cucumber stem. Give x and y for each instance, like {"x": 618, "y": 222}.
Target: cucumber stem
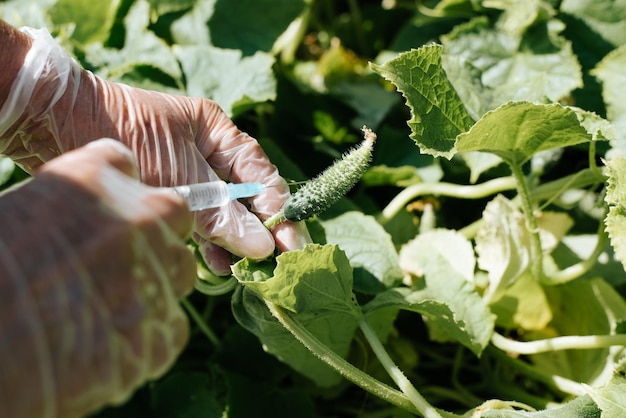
{"x": 338, "y": 363}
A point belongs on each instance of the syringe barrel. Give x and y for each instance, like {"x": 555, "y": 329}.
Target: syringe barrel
{"x": 204, "y": 195}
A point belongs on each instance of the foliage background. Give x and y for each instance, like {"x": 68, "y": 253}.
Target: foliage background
{"x": 296, "y": 74}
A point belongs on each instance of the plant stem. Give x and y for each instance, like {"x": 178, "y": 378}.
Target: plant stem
{"x": 556, "y": 382}
{"x": 569, "y": 342}
{"x": 338, "y": 363}
{"x": 446, "y": 189}
{"x": 405, "y": 385}
{"x": 274, "y": 220}
{"x": 576, "y": 270}
{"x": 206, "y": 288}
{"x": 536, "y": 253}
{"x": 200, "y": 322}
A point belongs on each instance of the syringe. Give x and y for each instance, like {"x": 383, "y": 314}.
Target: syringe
{"x": 216, "y": 193}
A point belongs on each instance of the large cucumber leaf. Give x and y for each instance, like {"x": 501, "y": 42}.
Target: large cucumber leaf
{"x": 437, "y": 113}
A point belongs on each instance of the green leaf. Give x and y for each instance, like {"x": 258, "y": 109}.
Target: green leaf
{"x": 517, "y": 16}
{"x": 315, "y": 279}
{"x": 334, "y": 329}
{"x": 517, "y": 130}
{"x": 502, "y": 245}
{"x": 581, "y": 307}
{"x": 252, "y": 25}
{"x": 191, "y": 28}
{"x": 315, "y": 283}
{"x": 370, "y": 100}
{"x": 610, "y": 71}
{"x": 32, "y": 13}
{"x": 382, "y": 175}
{"x": 92, "y": 20}
{"x": 226, "y": 77}
{"x": 523, "y": 305}
{"x": 446, "y": 261}
{"x": 368, "y": 247}
{"x": 479, "y": 162}
{"x": 437, "y": 313}
{"x": 437, "y": 113}
{"x": 489, "y": 67}
{"x": 616, "y": 199}
{"x": 611, "y": 398}
{"x": 141, "y": 48}
{"x": 605, "y": 17}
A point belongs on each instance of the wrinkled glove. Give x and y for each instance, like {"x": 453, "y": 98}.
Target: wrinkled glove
{"x": 93, "y": 264}
{"x": 54, "y": 106}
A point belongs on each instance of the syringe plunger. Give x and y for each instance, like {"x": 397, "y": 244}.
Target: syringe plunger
{"x": 216, "y": 193}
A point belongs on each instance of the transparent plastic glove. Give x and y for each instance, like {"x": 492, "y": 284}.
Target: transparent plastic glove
{"x": 54, "y": 106}
{"x": 92, "y": 265}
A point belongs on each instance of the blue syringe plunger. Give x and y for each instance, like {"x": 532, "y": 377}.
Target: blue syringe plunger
{"x": 214, "y": 194}
{"x": 241, "y": 190}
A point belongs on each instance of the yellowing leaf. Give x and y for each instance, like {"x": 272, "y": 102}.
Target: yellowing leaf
{"x": 502, "y": 245}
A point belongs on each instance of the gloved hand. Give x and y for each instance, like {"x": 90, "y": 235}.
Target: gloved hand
{"x": 55, "y": 107}
{"x": 93, "y": 264}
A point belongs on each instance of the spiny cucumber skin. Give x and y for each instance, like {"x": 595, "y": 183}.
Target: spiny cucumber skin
{"x": 331, "y": 185}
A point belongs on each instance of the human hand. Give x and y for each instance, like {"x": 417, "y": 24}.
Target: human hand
{"x": 92, "y": 266}
{"x": 176, "y": 140}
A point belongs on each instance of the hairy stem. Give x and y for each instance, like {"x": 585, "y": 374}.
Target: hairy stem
{"x": 338, "y": 363}
{"x": 209, "y": 289}
{"x": 201, "y": 323}
{"x": 556, "y": 382}
{"x": 576, "y": 270}
{"x": 536, "y": 253}
{"x": 477, "y": 191}
{"x": 396, "y": 374}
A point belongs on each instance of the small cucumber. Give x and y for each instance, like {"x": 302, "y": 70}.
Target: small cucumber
{"x": 328, "y": 187}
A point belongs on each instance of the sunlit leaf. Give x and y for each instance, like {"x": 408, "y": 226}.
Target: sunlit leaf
{"x": 517, "y": 130}
{"x": 225, "y": 76}
{"x": 581, "y": 307}
{"x": 142, "y": 47}
{"x": 437, "y": 113}
{"x": 610, "y": 71}
{"x": 446, "y": 260}
{"x": 91, "y": 21}
{"x": 611, "y": 398}
{"x": 314, "y": 279}
{"x": 367, "y": 246}
{"x": 616, "y": 199}
{"x": 606, "y": 17}
{"x": 489, "y": 67}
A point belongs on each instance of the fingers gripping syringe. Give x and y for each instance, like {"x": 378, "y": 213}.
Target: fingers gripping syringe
{"x": 216, "y": 193}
